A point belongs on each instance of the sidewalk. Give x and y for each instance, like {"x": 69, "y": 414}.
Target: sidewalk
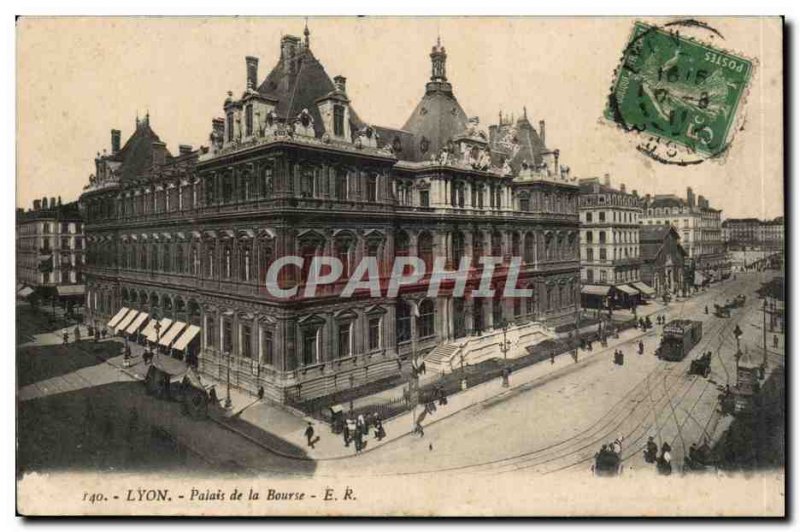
{"x": 274, "y": 420}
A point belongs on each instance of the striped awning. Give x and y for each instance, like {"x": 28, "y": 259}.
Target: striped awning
{"x": 129, "y": 317}
{"x": 627, "y": 289}
{"x": 595, "y": 290}
{"x": 137, "y": 323}
{"x": 168, "y": 337}
{"x": 154, "y": 335}
{"x": 117, "y": 317}
{"x": 187, "y": 336}
{"x": 643, "y": 288}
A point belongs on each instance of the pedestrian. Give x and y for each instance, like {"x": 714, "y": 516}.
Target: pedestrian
{"x": 418, "y": 430}
{"x": 706, "y": 309}
{"x": 65, "y": 337}
{"x": 103, "y": 333}
{"x": 641, "y": 347}
{"x": 359, "y": 440}
{"x": 552, "y": 357}
{"x": 96, "y": 335}
{"x": 361, "y": 425}
{"x": 349, "y": 431}
{"x": 379, "y": 432}
{"x": 77, "y": 334}
{"x": 775, "y": 341}
{"x": 310, "y": 435}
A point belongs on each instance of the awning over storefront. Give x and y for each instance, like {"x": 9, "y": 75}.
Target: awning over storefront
{"x": 117, "y": 317}
{"x": 25, "y": 292}
{"x": 137, "y": 323}
{"x": 168, "y": 337}
{"x": 643, "y": 288}
{"x": 595, "y": 290}
{"x": 627, "y": 289}
{"x": 154, "y": 336}
{"x": 187, "y": 336}
{"x": 76, "y": 290}
{"x": 129, "y": 317}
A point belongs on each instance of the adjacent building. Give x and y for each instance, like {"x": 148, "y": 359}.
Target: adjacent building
{"x": 610, "y": 261}
{"x": 699, "y": 226}
{"x": 50, "y": 251}
{"x": 663, "y": 259}
{"x": 293, "y": 170}
{"x": 752, "y": 234}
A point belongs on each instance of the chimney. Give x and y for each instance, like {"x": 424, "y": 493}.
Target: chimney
{"x": 59, "y": 201}
{"x": 37, "y": 204}
{"x": 701, "y": 201}
{"x": 44, "y": 202}
{"x": 622, "y": 188}
{"x": 52, "y": 203}
{"x": 647, "y": 199}
{"x": 289, "y": 45}
{"x": 341, "y": 83}
{"x": 252, "y": 71}
{"x": 218, "y": 125}
{"x": 635, "y": 193}
{"x": 607, "y": 180}
{"x": 690, "y": 197}
{"x": 184, "y": 149}
{"x": 541, "y": 132}
{"x": 115, "y": 141}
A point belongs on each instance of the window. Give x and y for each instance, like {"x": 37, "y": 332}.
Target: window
{"x": 529, "y": 248}
{"x": 338, "y": 120}
{"x": 211, "y": 337}
{"x": 309, "y": 346}
{"x": 602, "y": 216}
{"x": 589, "y": 237}
{"x": 424, "y": 198}
{"x": 425, "y": 249}
{"x": 589, "y": 254}
{"x": 267, "y": 353}
{"x": 603, "y": 254}
{"x": 64, "y": 242}
{"x": 602, "y": 236}
{"x": 524, "y": 203}
{"x": 458, "y": 248}
{"x": 341, "y": 184}
{"x": 374, "y": 332}
{"x": 588, "y": 217}
{"x": 248, "y": 120}
{"x": 229, "y": 125}
{"x": 307, "y": 182}
{"x": 425, "y": 319}
{"x": 245, "y": 348}
{"x": 372, "y": 188}
{"x": 403, "y": 322}
{"x": 345, "y": 349}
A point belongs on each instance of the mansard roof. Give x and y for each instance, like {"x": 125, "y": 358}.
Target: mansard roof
{"x": 297, "y": 83}
{"x": 140, "y": 151}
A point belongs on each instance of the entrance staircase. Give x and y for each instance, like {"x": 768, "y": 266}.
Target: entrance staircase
{"x": 448, "y": 356}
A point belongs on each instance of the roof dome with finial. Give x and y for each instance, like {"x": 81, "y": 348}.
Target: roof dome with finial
{"x": 438, "y": 117}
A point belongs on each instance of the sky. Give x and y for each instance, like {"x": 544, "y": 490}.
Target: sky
{"x": 78, "y": 78}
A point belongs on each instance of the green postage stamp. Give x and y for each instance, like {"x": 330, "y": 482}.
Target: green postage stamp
{"x": 683, "y": 97}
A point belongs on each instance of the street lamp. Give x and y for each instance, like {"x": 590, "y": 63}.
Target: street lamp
{"x": 228, "y": 403}
{"x": 737, "y": 332}
{"x": 157, "y": 327}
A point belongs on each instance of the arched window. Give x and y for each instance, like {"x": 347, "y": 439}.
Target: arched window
{"x": 245, "y": 261}
{"x": 477, "y": 246}
{"x": 497, "y": 244}
{"x": 524, "y": 203}
{"x": 341, "y": 184}
{"x": 166, "y": 263}
{"x": 425, "y": 248}
{"x": 529, "y": 301}
{"x": 403, "y": 321}
{"x": 226, "y": 264}
{"x": 425, "y": 327}
{"x": 345, "y": 251}
{"x": 515, "y": 244}
{"x": 309, "y": 248}
{"x": 180, "y": 262}
{"x": 210, "y": 261}
{"x": 307, "y": 188}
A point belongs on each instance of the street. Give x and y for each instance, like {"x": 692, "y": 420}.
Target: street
{"x": 553, "y": 424}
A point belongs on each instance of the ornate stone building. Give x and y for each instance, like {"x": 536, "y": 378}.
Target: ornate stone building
{"x": 293, "y": 170}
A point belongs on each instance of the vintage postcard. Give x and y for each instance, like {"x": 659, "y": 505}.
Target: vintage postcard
{"x": 409, "y": 266}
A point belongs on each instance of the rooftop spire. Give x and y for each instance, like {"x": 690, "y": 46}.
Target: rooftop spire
{"x": 438, "y": 60}
{"x": 307, "y": 34}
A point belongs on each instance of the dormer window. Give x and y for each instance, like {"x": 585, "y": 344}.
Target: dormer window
{"x": 338, "y": 120}
{"x": 248, "y": 120}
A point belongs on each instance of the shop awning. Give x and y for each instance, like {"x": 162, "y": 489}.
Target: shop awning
{"x": 25, "y": 292}
{"x": 627, "y": 289}
{"x": 137, "y": 323}
{"x": 171, "y": 366}
{"x": 187, "y": 336}
{"x": 117, "y": 317}
{"x": 595, "y": 290}
{"x": 168, "y": 337}
{"x": 154, "y": 336}
{"x": 643, "y": 288}
{"x": 129, "y": 317}
{"x": 71, "y": 290}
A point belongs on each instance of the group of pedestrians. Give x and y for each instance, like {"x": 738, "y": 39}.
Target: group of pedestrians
{"x": 356, "y": 430}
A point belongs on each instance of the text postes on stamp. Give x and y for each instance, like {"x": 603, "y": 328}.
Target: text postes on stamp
{"x": 682, "y": 96}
